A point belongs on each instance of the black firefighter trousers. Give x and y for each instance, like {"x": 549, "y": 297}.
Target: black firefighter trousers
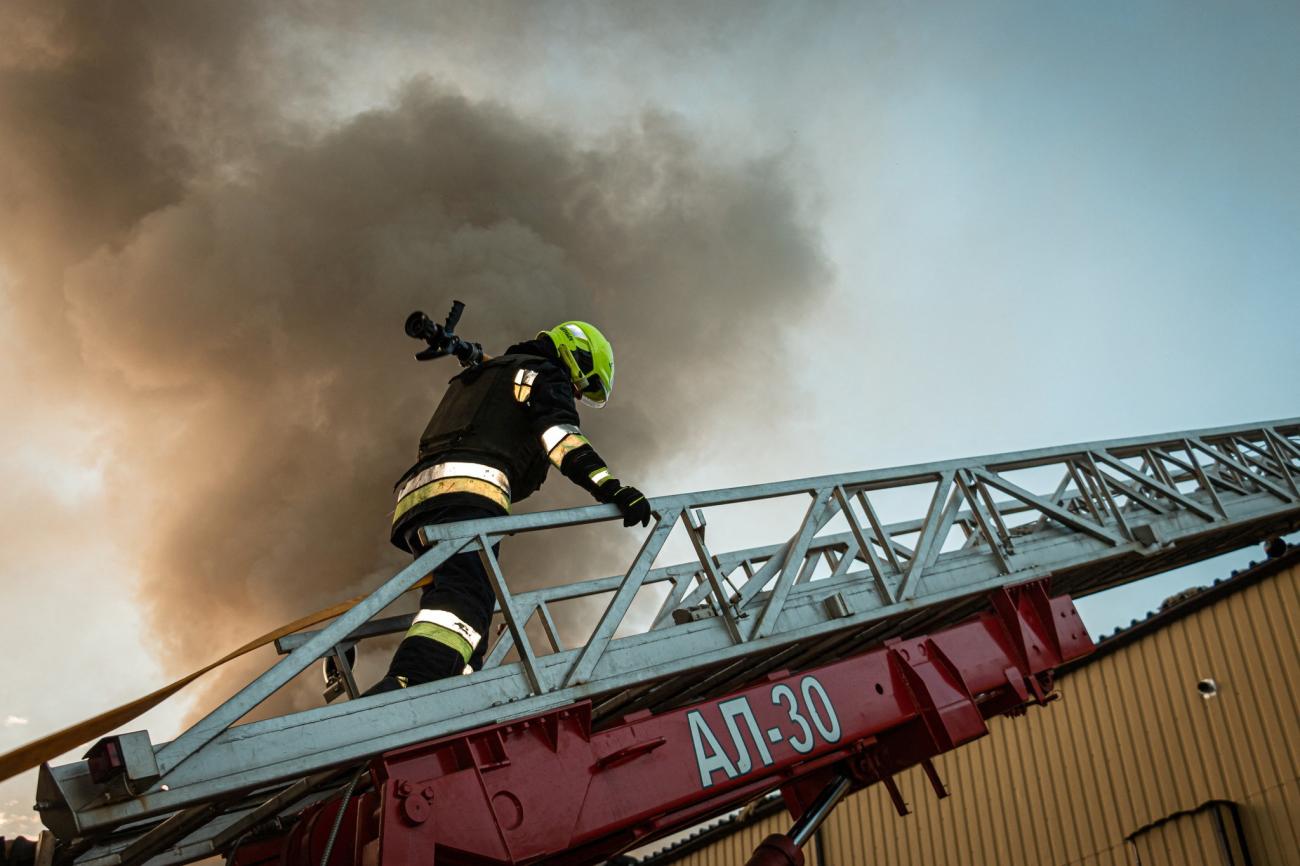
{"x": 460, "y": 587}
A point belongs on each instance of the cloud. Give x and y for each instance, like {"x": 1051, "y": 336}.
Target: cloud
{"x": 222, "y": 292}
{"x": 12, "y": 825}
{"x": 14, "y": 721}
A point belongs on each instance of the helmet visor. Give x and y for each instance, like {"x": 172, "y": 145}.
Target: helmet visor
{"x": 593, "y": 392}
{"x": 586, "y": 363}
{"x": 588, "y": 380}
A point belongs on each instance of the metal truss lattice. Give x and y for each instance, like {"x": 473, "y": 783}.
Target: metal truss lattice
{"x": 840, "y": 580}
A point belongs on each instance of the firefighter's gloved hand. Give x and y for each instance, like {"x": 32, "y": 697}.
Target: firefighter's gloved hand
{"x": 633, "y": 504}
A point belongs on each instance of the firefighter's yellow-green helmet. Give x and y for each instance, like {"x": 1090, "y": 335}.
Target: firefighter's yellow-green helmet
{"x": 588, "y": 357}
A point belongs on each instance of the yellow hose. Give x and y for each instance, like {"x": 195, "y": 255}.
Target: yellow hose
{"x": 51, "y": 746}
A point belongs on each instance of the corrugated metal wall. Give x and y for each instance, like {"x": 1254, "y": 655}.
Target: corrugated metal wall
{"x": 1132, "y": 742}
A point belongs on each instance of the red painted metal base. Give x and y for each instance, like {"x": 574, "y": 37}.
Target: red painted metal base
{"x": 776, "y": 850}
{"x": 550, "y": 789}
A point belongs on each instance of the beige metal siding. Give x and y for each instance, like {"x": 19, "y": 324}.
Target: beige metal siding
{"x": 1131, "y": 742}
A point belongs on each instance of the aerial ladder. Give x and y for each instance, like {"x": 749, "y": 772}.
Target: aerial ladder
{"x": 846, "y": 651}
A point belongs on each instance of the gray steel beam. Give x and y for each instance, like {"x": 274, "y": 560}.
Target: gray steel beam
{"x": 1240, "y": 497}
{"x": 276, "y": 749}
{"x": 174, "y": 753}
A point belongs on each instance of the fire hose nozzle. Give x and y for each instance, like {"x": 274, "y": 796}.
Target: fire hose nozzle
{"x": 442, "y": 339}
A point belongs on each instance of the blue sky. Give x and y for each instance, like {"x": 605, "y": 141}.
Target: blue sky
{"x": 1049, "y": 222}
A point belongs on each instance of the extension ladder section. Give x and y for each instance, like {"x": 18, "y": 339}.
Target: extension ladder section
{"x": 551, "y": 789}
{"x": 847, "y": 577}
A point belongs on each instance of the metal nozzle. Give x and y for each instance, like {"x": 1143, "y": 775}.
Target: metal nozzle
{"x": 419, "y": 326}
{"x": 442, "y": 338}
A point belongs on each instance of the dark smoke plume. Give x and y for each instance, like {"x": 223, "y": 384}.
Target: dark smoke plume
{"x": 234, "y": 282}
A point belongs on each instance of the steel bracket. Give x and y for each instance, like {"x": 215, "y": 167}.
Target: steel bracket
{"x": 124, "y": 764}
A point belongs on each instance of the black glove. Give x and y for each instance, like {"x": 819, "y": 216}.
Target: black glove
{"x": 632, "y": 503}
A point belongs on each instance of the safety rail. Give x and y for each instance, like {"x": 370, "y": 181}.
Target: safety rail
{"x": 1089, "y": 516}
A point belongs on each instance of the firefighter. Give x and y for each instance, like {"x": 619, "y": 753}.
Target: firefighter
{"x": 499, "y": 428}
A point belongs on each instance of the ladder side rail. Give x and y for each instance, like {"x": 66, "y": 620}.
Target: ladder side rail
{"x": 1162, "y": 479}
{"x": 174, "y": 754}
{"x": 526, "y": 603}
{"x": 264, "y": 752}
{"x": 916, "y": 473}
{"x": 828, "y": 587}
{"x": 678, "y": 575}
{"x": 1130, "y": 447}
{"x": 306, "y": 741}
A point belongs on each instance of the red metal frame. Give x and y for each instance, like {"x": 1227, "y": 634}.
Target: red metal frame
{"x": 550, "y": 789}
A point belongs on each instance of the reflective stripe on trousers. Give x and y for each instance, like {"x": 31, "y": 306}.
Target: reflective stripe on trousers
{"x": 453, "y": 477}
{"x": 446, "y": 628}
